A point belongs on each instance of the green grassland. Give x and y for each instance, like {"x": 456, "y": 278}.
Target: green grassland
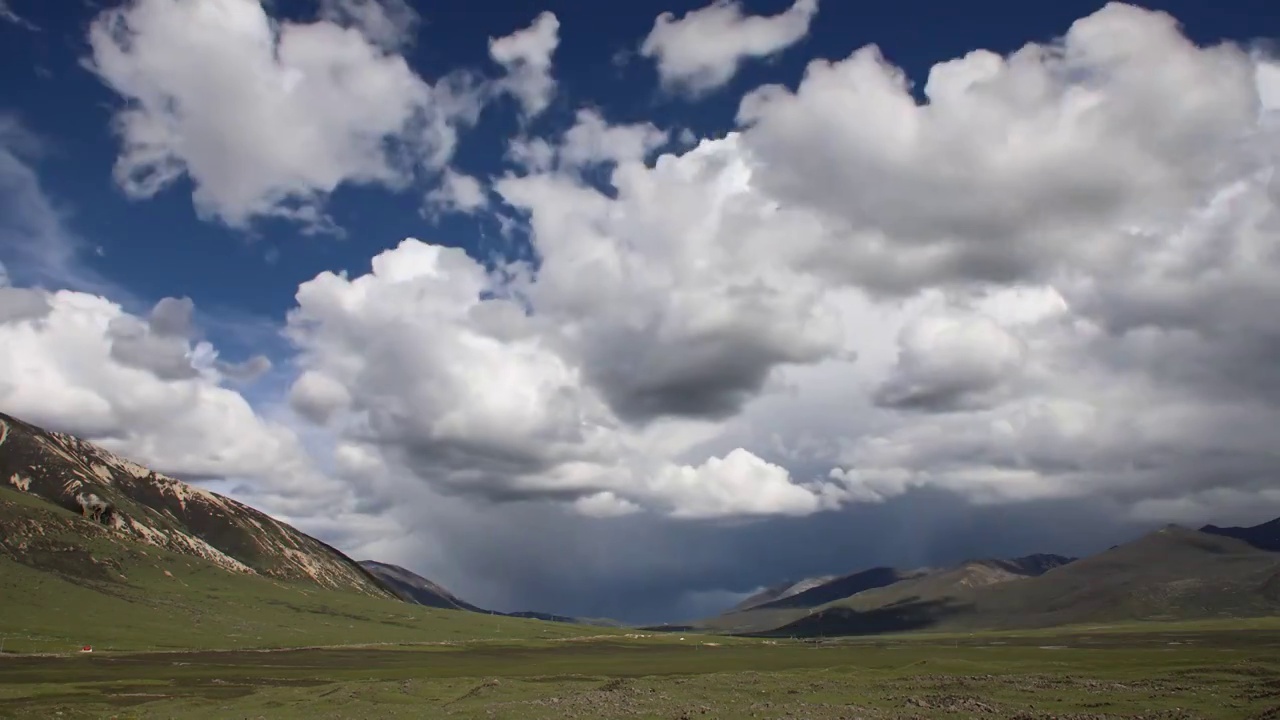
{"x": 1167, "y": 671}
{"x": 175, "y": 636}
{"x": 66, "y": 588}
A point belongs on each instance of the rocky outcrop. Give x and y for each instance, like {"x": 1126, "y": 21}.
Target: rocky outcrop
{"x": 132, "y": 502}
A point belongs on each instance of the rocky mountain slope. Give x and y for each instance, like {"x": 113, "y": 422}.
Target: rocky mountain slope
{"x": 130, "y": 503}
{"x": 1172, "y": 574}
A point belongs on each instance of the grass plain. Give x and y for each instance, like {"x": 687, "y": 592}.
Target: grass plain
{"x": 1189, "y": 670}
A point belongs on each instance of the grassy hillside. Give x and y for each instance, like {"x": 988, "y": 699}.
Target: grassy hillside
{"x": 1173, "y": 574}
{"x": 946, "y": 583}
{"x": 71, "y": 586}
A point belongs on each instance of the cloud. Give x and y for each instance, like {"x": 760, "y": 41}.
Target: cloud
{"x": 268, "y": 118}
{"x": 592, "y": 139}
{"x": 589, "y": 143}
{"x": 34, "y": 243}
{"x": 439, "y": 374}
{"x": 678, "y": 305}
{"x": 1035, "y": 303}
{"x": 703, "y": 50}
{"x": 526, "y": 56}
{"x": 1030, "y": 163}
{"x": 63, "y": 368}
{"x": 159, "y": 346}
{"x": 390, "y": 24}
{"x": 738, "y": 484}
{"x": 317, "y": 397}
{"x": 244, "y": 371}
{"x": 695, "y": 340}
{"x": 950, "y": 360}
{"x": 8, "y": 15}
{"x": 19, "y": 304}
{"x": 457, "y": 192}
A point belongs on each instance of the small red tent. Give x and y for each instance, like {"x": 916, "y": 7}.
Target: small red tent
{"x": 87, "y": 648}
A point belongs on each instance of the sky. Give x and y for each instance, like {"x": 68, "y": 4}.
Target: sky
{"x": 630, "y": 311}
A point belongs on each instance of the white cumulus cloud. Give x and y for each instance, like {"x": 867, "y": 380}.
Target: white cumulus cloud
{"x": 159, "y": 402}
{"x": 703, "y": 49}
{"x": 526, "y": 56}
{"x": 266, "y": 118}
{"x": 389, "y": 23}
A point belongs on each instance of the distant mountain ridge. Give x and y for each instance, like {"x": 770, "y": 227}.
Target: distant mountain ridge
{"x": 132, "y": 502}
{"x": 1171, "y": 574}
{"x": 1265, "y": 536}
{"x": 71, "y": 508}
{"x": 782, "y": 605}
{"x": 414, "y": 588}
{"x": 781, "y": 591}
{"x": 411, "y": 587}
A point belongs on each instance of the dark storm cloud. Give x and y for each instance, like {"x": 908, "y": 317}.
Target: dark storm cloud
{"x": 646, "y": 569}
{"x": 709, "y": 379}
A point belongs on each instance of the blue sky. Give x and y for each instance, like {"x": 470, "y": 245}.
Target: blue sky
{"x": 159, "y": 247}
{"x": 849, "y": 307}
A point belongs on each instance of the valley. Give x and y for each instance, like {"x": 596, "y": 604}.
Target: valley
{"x": 194, "y": 605}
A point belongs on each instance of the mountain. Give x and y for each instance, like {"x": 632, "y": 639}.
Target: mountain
{"x": 945, "y": 582}
{"x": 546, "y": 617}
{"x": 840, "y": 587}
{"x": 414, "y": 588}
{"x": 786, "y": 605}
{"x": 411, "y": 587}
{"x": 130, "y": 502}
{"x": 1172, "y": 574}
{"x": 770, "y": 609}
{"x": 781, "y": 591}
{"x": 97, "y": 550}
{"x": 1264, "y": 537}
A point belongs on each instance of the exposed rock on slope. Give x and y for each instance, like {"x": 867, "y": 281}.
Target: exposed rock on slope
{"x": 130, "y": 501}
